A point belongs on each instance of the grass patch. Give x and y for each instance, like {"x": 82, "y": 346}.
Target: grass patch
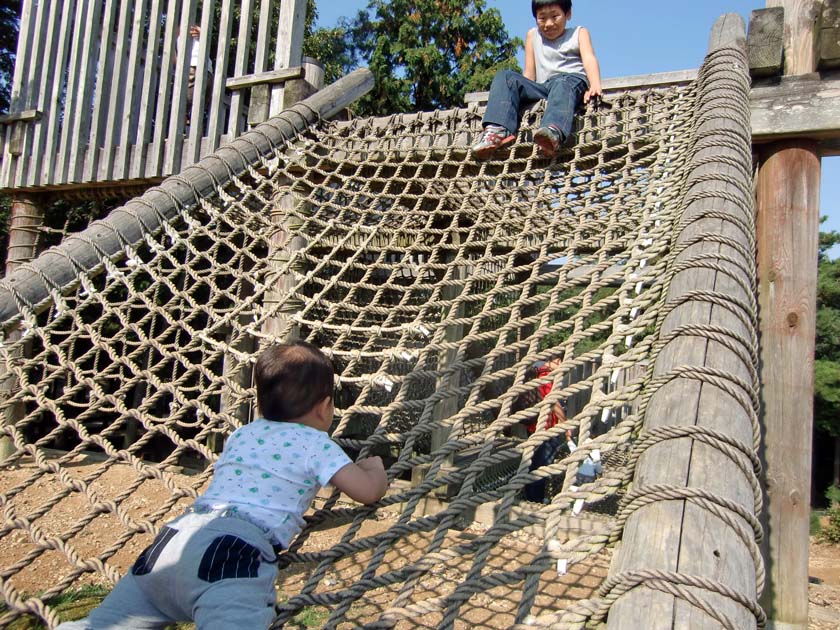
{"x": 309, "y": 618}
{"x": 815, "y": 525}
{"x": 75, "y": 604}
{"x": 70, "y": 605}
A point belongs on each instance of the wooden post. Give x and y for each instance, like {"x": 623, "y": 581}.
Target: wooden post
{"x": 788, "y": 229}
{"x": 675, "y": 537}
{"x": 282, "y": 246}
{"x": 298, "y": 89}
{"x": 25, "y": 219}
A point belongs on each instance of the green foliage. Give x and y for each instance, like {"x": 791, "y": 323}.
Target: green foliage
{"x": 831, "y": 532}
{"x": 827, "y": 347}
{"x": 833, "y": 494}
{"x": 9, "y": 22}
{"x": 426, "y": 54}
{"x": 814, "y": 527}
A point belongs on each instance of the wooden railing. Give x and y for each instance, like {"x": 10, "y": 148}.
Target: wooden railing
{"x": 106, "y": 92}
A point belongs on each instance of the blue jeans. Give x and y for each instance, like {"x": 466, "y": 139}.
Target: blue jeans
{"x": 544, "y": 455}
{"x": 510, "y": 90}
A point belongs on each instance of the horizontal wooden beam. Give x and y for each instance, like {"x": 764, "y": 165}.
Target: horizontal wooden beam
{"x": 264, "y": 78}
{"x": 804, "y": 106}
{"x": 24, "y": 116}
{"x": 621, "y": 84}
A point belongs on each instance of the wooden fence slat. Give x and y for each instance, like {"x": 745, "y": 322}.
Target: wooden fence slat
{"x": 34, "y": 96}
{"x": 17, "y": 98}
{"x": 72, "y": 146}
{"x": 120, "y": 103}
{"x": 57, "y": 103}
{"x": 236, "y": 123}
{"x": 199, "y": 102}
{"x": 289, "y": 46}
{"x": 178, "y": 111}
{"x": 154, "y": 159}
{"x": 117, "y": 161}
{"x": 103, "y": 82}
{"x": 259, "y": 102}
{"x": 152, "y": 82}
{"x": 216, "y": 118}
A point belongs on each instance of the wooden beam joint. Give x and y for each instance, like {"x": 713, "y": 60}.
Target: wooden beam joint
{"x": 828, "y": 36}
{"x": 766, "y": 42}
{"x": 264, "y": 78}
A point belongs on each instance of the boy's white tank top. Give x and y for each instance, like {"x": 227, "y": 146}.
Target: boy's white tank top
{"x": 555, "y": 56}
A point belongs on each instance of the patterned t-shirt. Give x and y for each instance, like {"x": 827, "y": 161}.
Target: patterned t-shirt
{"x": 270, "y": 471}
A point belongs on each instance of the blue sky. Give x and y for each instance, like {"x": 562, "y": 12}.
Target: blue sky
{"x": 637, "y": 38}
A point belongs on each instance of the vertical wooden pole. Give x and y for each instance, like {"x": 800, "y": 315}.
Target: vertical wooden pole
{"x": 25, "y": 219}
{"x": 788, "y": 227}
{"x": 282, "y": 245}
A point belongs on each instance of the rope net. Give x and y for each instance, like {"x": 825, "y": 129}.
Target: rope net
{"x": 433, "y": 282}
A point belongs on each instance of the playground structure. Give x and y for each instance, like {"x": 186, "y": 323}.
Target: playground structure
{"x": 434, "y": 282}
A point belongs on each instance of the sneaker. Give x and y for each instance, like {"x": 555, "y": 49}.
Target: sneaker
{"x": 494, "y": 138}
{"x": 548, "y": 139}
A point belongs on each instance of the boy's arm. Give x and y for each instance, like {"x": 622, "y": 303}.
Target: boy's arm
{"x": 364, "y": 481}
{"x": 530, "y": 63}
{"x": 590, "y": 65}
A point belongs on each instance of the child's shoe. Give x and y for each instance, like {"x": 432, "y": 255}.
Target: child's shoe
{"x": 494, "y": 138}
{"x": 548, "y": 139}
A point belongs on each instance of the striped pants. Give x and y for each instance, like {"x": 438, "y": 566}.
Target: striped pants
{"x": 218, "y": 572}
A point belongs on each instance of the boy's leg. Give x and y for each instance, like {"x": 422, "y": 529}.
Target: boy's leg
{"x": 125, "y": 608}
{"x": 501, "y": 118}
{"x": 240, "y": 603}
{"x": 508, "y": 92}
{"x": 565, "y": 92}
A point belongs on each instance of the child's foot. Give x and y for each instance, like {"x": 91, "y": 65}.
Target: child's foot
{"x": 548, "y": 139}
{"x": 494, "y": 138}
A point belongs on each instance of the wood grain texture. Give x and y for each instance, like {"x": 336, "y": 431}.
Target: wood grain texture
{"x": 676, "y": 535}
{"x": 788, "y": 227}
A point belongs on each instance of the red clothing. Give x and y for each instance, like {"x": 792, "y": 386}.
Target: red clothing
{"x": 543, "y": 389}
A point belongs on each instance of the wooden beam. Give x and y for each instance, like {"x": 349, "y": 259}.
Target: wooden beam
{"x": 264, "y": 78}
{"x": 26, "y": 116}
{"x": 766, "y": 42}
{"x": 788, "y": 205}
{"x": 828, "y": 37}
{"x": 804, "y": 106}
{"x": 620, "y": 84}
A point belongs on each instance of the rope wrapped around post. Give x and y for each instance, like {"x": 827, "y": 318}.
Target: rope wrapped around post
{"x": 689, "y": 555}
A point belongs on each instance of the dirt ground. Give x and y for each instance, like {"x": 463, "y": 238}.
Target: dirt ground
{"x": 824, "y": 589}
{"x": 28, "y": 573}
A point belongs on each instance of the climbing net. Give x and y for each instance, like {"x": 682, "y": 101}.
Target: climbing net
{"x": 433, "y": 282}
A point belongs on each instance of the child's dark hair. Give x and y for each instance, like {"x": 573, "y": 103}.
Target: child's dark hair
{"x": 565, "y": 5}
{"x": 291, "y": 379}
{"x": 528, "y": 398}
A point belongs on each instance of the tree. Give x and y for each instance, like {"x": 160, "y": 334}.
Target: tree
{"x": 327, "y": 45}
{"x": 426, "y": 54}
{"x": 827, "y": 349}
{"x": 9, "y": 23}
